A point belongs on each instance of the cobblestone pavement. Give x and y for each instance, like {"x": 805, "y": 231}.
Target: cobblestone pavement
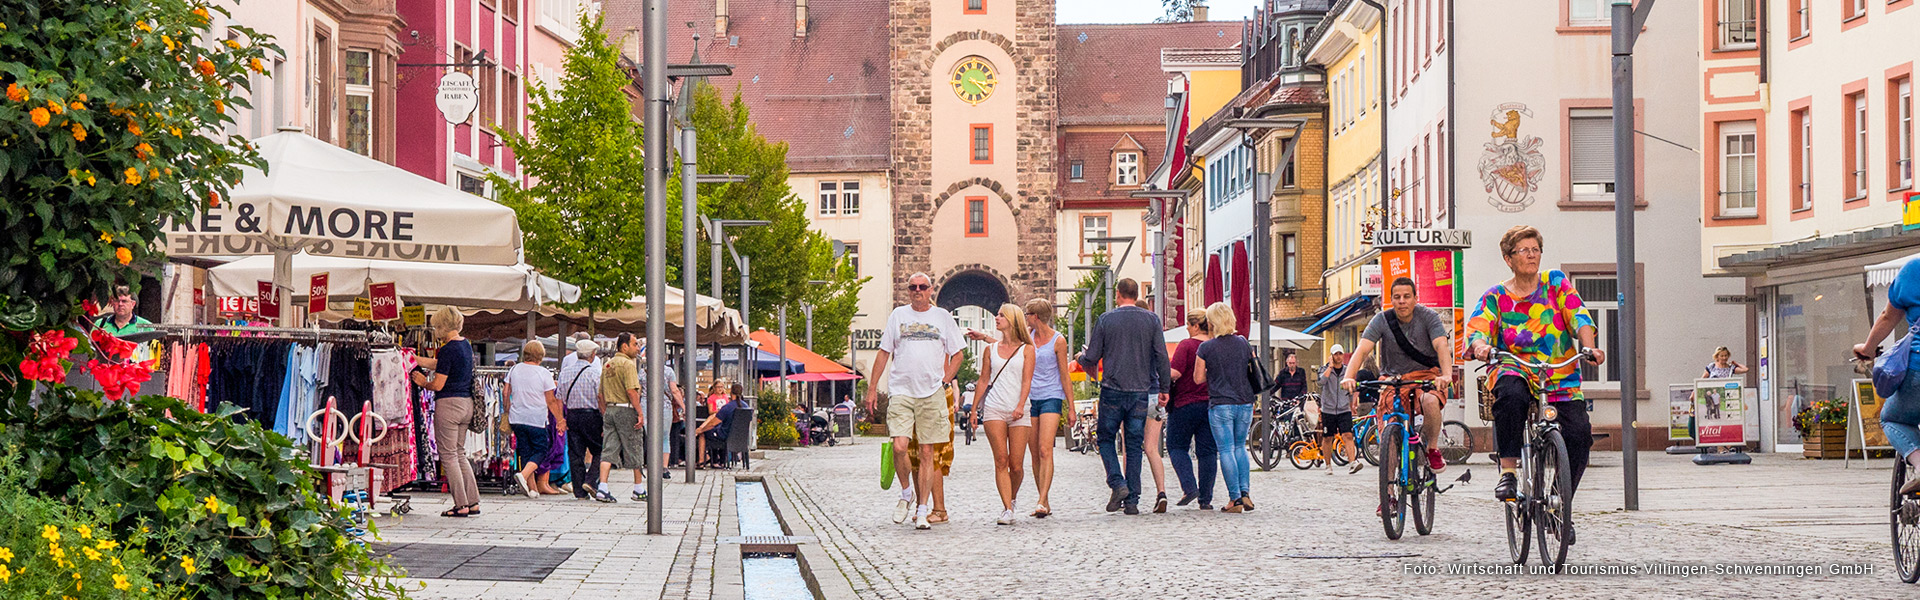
{"x": 1779, "y": 510}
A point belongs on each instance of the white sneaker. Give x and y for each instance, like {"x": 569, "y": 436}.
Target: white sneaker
{"x": 522, "y": 480}
{"x": 920, "y": 522}
{"x": 901, "y": 510}
{"x": 1006, "y": 517}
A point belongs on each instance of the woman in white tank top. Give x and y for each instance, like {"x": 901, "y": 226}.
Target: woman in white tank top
{"x": 1006, "y": 377}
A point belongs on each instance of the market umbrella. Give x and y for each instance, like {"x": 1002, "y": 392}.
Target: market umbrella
{"x": 818, "y": 368}
{"x": 466, "y": 286}
{"x": 488, "y": 324}
{"x": 329, "y": 201}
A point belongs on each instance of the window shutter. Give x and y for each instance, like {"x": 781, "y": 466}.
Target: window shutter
{"x": 1590, "y": 140}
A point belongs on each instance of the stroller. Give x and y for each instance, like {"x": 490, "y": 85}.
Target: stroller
{"x": 817, "y": 430}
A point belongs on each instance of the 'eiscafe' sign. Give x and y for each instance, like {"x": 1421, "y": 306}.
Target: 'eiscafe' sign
{"x": 1422, "y": 238}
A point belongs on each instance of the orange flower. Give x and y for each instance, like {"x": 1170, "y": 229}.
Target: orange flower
{"x": 76, "y": 105}
{"x": 125, "y": 255}
{"x": 153, "y": 173}
{"x": 79, "y": 133}
{"x": 55, "y": 107}
{"x": 141, "y": 151}
{"x": 206, "y": 67}
{"x": 133, "y": 176}
{"x": 168, "y": 41}
{"x": 83, "y": 97}
{"x": 213, "y": 199}
{"x": 143, "y": 26}
{"x": 220, "y": 106}
{"x": 17, "y": 93}
{"x": 40, "y": 116}
{"x": 257, "y": 67}
{"x": 233, "y": 44}
{"x": 202, "y": 13}
{"x": 132, "y": 127}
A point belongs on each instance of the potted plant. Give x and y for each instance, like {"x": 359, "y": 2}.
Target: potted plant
{"x": 1823, "y": 426}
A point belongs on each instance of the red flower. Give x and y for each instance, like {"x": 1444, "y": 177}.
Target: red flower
{"x": 45, "y": 351}
{"x": 120, "y": 379}
{"x": 113, "y": 347}
{"x": 89, "y": 307}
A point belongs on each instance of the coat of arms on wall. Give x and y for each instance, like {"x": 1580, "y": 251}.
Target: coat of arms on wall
{"x": 1512, "y": 164}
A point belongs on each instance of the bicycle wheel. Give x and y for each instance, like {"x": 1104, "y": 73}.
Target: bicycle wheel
{"x": 1301, "y": 454}
{"x": 1392, "y": 494}
{"x": 1266, "y": 445}
{"x": 1456, "y": 442}
{"x": 1420, "y": 491}
{"x": 1519, "y": 533}
{"x": 1905, "y": 517}
{"x": 1339, "y": 455}
{"x": 1370, "y": 446}
{"x": 1552, "y": 501}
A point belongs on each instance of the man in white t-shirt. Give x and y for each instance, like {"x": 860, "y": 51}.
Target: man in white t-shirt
{"x": 922, "y": 344}
{"x": 530, "y": 401}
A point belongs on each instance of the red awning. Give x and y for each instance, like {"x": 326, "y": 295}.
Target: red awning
{"x": 819, "y": 368}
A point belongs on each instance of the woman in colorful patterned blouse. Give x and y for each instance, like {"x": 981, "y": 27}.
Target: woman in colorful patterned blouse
{"x": 1535, "y": 316}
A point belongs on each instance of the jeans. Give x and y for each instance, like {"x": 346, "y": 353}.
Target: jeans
{"x": 584, "y": 437}
{"x": 1901, "y": 415}
{"x": 1119, "y": 408}
{"x": 1187, "y": 429}
{"x": 1229, "y": 424}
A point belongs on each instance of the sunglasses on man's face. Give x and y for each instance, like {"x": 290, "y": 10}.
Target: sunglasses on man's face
{"x": 919, "y": 286}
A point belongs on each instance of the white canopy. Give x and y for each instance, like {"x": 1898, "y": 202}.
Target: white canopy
{"x": 706, "y": 310}
{"x": 1883, "y": 273}
{"x": 1281, "y": 337}
{"x": 466, "y": 286}
{"x": 329, "y": 201}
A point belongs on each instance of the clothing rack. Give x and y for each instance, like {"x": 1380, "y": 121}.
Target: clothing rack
{"x": 286, "y": 333}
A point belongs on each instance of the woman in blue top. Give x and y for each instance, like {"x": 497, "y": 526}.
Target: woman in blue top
{"x": 1900, "y": 417}
{"x": 451, "y": 379}
{"x": 1051, "y": 396}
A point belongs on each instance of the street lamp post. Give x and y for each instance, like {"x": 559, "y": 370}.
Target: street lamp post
{"x": 1162, "y": 214}
{"x": 654, "y": 84}
{"x": 690, "y": 177}
{"x": 1628, "y": 20}
{"x": 1070, "y": 317}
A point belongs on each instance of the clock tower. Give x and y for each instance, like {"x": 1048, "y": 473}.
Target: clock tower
{"x": 974, "y": 149}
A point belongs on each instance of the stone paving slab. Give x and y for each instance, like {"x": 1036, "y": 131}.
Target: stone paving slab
{"x": 1780, "y": 510}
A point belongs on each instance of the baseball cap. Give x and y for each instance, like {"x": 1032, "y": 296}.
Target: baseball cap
{"x": 1337, "y": 349}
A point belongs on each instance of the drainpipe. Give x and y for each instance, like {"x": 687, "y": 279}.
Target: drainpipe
{"x": 1453, "y": 172}
{"x": 1386, "y": 190}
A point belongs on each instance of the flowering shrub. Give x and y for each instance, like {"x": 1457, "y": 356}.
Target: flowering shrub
{"x": 49, "y": 549}
{"x": 1827, "y": 412}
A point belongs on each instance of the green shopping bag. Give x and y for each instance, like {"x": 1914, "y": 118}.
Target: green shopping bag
{"x": 886, "y": 465}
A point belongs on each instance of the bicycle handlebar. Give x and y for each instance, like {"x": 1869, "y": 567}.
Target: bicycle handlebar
{"x": 1380, "y": 383}
{"x": 1500, "y": 355}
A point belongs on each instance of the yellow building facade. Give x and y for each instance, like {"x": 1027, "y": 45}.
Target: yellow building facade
{"x": 1347, "y": 47}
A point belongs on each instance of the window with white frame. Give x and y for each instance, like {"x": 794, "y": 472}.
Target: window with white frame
{"x": 853, "y": 258}
{"x": 359, "y": 114}
{"x": 1583, "y": 13}
{"x": 1903, "y": 136}
{"x": 1739, "y": 175}
{"x": 1601, "y": 295}
{"x": 1290, "y": 262}
{"x": 1856, "y": 8}
{"x": 1092, "y": 226}
{"x": 1126, "y": 168}
{"x": 473, "y": 184}
{"x": 1076, "y": 171}
{"x": 1858, "y": 146}
{"x": 1736, "y": 25}
{"x": 1590, "y": 150}
{"x": 1802, "y": 159}
{"x": 829, "y": 198}
{"x": 849, "y": 198}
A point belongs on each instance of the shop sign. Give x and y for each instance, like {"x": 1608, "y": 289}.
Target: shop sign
{"x": 1910, "y": 219}
{"x": 1387, "y": 239}
{"x": 457, "y": 98}
{"x": 1372, "y": 282}
{"x": 317, "y": 293}
{"x": 1735, "y": 299}
{"x": 1679, "y": 412}
{"x": 1718, "y": 412}
{"x": 199, "y": 298}
{"x": 866, "y": 339}
{"x": 238, "y": 305}
{"x": 384, "y": 302}
{"x": 269, "y": 301}
{"x": 413, "y": 316}
{"x": 1865, "y": 424}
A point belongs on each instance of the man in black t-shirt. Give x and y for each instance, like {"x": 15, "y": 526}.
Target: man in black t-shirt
{"x": 1293, "y": 379}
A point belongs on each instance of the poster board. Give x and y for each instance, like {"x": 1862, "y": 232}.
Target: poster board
{"x": 1680, "y": 412}
{"x": 1718, "y": 412}
{"x": 1436, "y": 276}
{"x": 1863, "y": 420}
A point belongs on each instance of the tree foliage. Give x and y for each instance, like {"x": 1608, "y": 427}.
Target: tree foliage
{"x": 1178, "y": 11}
{"x": 1073, "y": 318}
{"x": 109, "y": 127}
{"x": 581, "y": 206}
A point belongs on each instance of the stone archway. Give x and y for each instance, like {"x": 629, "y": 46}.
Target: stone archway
{"x": 973, "y": 285}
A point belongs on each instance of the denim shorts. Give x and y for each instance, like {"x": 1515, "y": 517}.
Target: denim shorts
{"x": 531, "y": 443}
{"x": 1041, "y": 406}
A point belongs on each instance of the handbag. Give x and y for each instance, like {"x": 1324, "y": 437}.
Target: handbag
{"x": 1258, "y": 377}
{"x": 477, "y": 423}
{"x": 1890, "y": 372}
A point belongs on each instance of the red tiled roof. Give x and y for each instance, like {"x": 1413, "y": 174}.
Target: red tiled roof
{"x": 1112, "y": 74}
{"x": 1094, "y": 150}
{"x": 825, "y": 95}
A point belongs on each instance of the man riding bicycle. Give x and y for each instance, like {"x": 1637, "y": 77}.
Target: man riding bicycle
{"x": 1417, "y": 347}
{"x": 1531, "y": 317}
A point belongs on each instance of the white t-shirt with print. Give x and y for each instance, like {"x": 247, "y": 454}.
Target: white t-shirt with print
{"x": 530, "y": 386}
{"x": 920, "y": 342}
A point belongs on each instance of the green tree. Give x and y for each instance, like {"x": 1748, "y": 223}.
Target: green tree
{"x": 786, "y": 254}
{"x": 1178, "y": 11}
{"x": 969, "y": 368}
{"x": 581, "y": 204}
{"x": 1095, "y": 300}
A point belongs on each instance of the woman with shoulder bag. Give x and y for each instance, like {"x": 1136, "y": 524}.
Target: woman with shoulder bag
{"x": 1222, "y": 363}
{"x": 1900, "y": 416}
{"x": 453, "y": 409}
{"x": 1008, "y": 367}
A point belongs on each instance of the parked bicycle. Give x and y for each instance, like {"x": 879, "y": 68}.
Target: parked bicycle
{"x": 1080, "y": 437}
{"x": 1271, "y": 438}
{"x": 1406, "y": 480}
{"x": 1542, "y": 511}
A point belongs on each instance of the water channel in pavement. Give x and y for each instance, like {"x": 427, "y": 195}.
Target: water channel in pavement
{"x": 767, "y": 575}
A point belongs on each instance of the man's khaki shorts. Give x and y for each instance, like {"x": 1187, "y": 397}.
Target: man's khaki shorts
{"x": 925, "y": 418}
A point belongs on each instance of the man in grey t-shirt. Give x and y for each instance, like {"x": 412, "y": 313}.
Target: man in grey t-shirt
{"x": 1336, "y": 410}
{"x": 1415, "y": 346}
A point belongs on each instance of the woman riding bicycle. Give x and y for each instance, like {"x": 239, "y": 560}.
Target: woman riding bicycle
{"x": 1901, "y": 414}
{"x": 1533, "y": 316}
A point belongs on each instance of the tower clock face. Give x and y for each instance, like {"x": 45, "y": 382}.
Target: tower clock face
{"x": 973, "y": 80}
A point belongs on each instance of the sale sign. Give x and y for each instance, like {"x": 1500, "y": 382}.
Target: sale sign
{"x": 238, "y": 305}
{"x": 269, "y": 300}
{"x": 1718, "y": 412}
{"x": 385, "y": 303}
{"x": 317, "y": 293}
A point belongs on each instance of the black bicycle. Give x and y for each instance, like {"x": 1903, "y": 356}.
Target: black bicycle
{"x": 1542, "y": 510}
{"x": 1272, "y": 436}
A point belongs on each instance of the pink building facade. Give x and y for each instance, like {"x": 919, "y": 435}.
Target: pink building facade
{"x": 459, "y": 31}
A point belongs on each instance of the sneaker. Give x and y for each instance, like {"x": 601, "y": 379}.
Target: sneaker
{"x": 1160, "y": 504}
{"x": 1189, "y": 498}
{"x": 920, "y": 522}
{"x": 522, "y": 480}
{"x": 1118, "y": 498}
{"x": 603, "y": 497}
{"x": 1504, "y": 491}
{"x": 1133, "y": 509}
{"x": 901, "y": 510}
{"x": 1006, "y": 517}
{"x": 1436, "y": 462}
{"x": 639, "y": 495}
